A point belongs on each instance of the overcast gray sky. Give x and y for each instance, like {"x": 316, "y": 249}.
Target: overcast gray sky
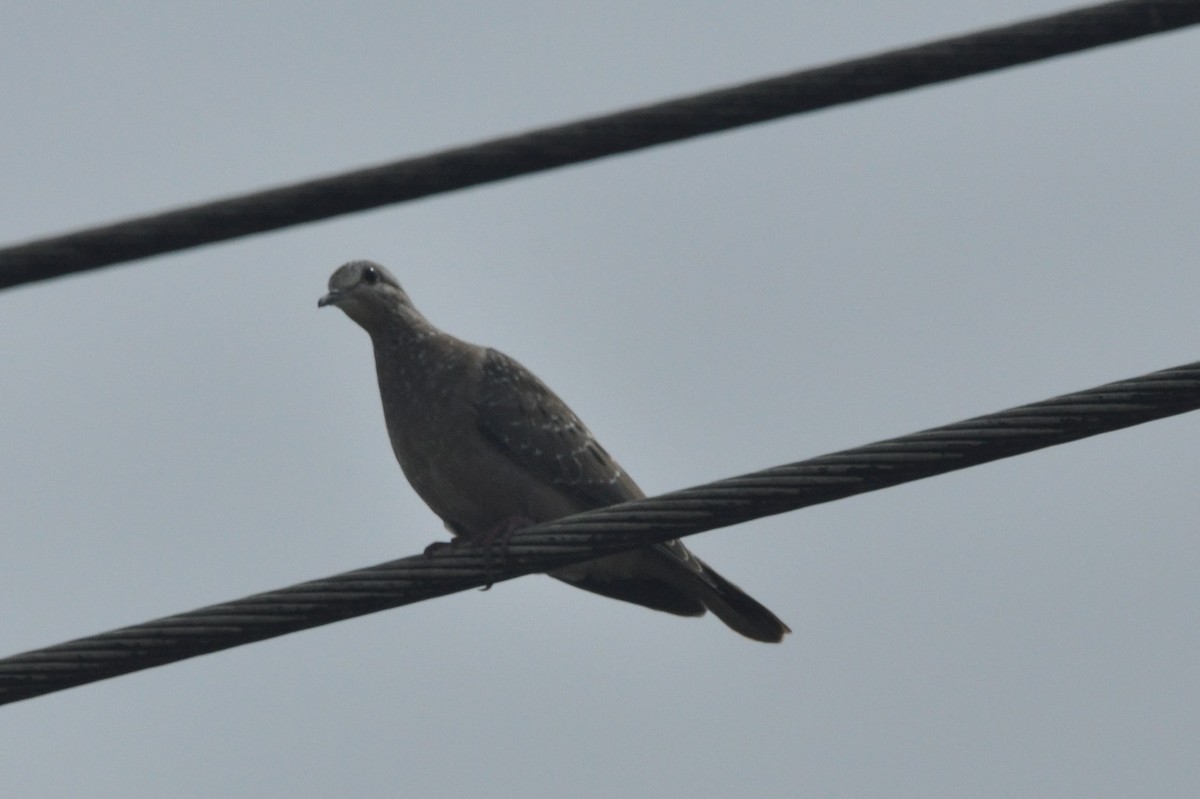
{"x": 190, "y": 429}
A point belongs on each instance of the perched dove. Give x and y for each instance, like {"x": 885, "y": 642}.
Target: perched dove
{"x": 491, "y": 449}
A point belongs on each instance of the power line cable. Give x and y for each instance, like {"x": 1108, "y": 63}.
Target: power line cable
{"x": 581, "y": 537}
{"x": 595, "y": 137}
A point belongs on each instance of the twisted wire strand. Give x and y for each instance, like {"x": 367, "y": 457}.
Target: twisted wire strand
{"x": 604, "y": 531}
{"x": 595, "y": 137}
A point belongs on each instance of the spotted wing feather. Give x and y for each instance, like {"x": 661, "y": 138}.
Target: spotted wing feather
{"x": 531, "y": 425}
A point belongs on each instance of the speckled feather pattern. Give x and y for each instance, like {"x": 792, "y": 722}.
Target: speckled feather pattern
{"x": 528, "y": 421}
{"x": 486, "y": 444}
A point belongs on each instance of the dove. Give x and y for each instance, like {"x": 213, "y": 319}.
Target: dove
{"x": 490, "y": 449}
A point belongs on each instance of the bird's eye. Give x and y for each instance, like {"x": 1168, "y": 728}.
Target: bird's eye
{"x": 370, "y": 276}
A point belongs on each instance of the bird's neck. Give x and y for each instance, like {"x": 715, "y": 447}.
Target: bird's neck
{"x": 416, "y": 360}
{"x": 405, "y": 329}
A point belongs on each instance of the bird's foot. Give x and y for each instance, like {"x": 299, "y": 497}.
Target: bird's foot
{"x": 456, "y": 540}
{"x": 438, "y": 546}
{"x": 499, "y": 536}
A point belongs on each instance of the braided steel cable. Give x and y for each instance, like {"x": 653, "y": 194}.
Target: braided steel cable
{"x": 604, "y": 531}
{"x": 595, "y": 137}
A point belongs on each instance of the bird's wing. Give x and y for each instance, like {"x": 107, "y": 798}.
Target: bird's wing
{"x": 532, "y": 426}
{"x": 521, "y": 416}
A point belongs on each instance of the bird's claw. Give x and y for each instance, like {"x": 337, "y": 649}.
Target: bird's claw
{"x": 437, "y": 546}
{"x": 499, "y": 535}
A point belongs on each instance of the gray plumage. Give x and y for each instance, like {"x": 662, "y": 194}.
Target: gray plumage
{"x": 489, "y": 448}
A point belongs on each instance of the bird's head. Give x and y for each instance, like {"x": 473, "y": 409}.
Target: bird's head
{"x": 368, "y": 293}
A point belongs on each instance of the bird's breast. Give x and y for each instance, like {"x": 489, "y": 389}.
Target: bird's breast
{"x": 433, "y": 424}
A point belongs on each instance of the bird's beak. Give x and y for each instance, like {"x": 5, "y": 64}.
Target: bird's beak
{"x": 329, "y": 299}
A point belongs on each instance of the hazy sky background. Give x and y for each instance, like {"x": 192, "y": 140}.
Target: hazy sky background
{"x": 190, "y": 429}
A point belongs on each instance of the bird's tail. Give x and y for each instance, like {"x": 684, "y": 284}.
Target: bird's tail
{"x": 740, "y": 612}
{"x": 670, "y": 578}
